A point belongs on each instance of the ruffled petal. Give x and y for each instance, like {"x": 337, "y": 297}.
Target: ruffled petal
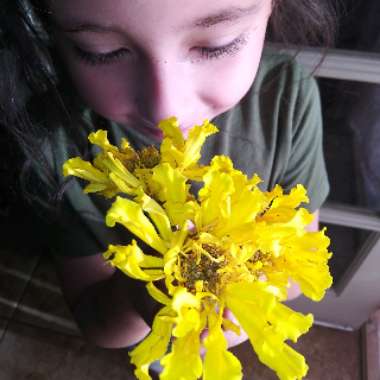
{"x": 95, "y": 188}
{"x": 157, "y": 294}
{"x": 85, "y": 170}
{"x": 170, "y": 153}
{"x": 100, "y": 139}
{"x": 171, "y": 129}
{"x": 259, "y": 313}
{"x": 313, "y": 280}
{"x": 171, "y": 257}
{"x": 187, "y": 307}
{"x": 219, "y": 363}
{"x": 121, "y": 185}
{"x": 116, "y": 167}
{"x": 132, "y": 261}
{"x": 195, "y": 141}
{"x": 215, "y": 197}
{"x": 180, "y": 212}
{"x": 292, "y": 200}
{"x": 130, "y": 214}
{"x": 245, "y": 207}
{"x": 184, "y": 361}
{"x": 305, "y": 260}
{"x": 173, "y": 186}
{"x": 184, "y": 154}
{"x": 288, "y": 323}
{"x": 157, "y": 214}
{"x": 154, "y": 346}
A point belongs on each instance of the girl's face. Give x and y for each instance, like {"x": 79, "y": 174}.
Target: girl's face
{"x": 146, "y": 60}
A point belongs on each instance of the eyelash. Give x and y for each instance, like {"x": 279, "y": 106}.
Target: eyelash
{"x": 219, "y": 52}
{"x": 206, "y": 53}
{"x": 98, "y": 58}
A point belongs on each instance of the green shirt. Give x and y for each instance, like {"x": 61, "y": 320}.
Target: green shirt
{"x": 275, "y": 131}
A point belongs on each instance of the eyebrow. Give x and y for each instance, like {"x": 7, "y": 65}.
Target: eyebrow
{"x": 221, "y": 17}
{"x": 227, "y": 15}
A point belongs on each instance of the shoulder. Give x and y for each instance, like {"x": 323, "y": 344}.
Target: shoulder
{"x": 292, "y": 108}
{"x": 281, "y": 75}
{"x": 284, "y": 95}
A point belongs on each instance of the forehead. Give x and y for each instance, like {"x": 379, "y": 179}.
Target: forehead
{"x": 138, "y": 14}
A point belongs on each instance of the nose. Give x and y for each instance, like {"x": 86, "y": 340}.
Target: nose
{"x": 163, "y": 91}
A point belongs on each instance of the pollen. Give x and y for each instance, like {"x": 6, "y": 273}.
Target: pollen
{"x": 205, "y": 267}
{"x": 146, "y": 158}
{"x": 149, "y": 157}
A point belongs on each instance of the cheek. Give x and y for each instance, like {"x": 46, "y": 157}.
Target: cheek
{"x": 231, "y": 80}
{"x": 107, "y": 91}
{"x": 104, "y": 93}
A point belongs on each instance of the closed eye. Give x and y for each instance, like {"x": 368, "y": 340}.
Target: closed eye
{"x": 206, "y": 53}
{"x": 100, "y": 58}
{"x": 217, "y": 52}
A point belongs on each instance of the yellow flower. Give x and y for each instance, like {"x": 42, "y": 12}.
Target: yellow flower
{"x": 222, "y": 260}
{"x": 234, "y": 247}
{"x": 184, "y": 154}
{"x": 124, "y": 170}
{"x": 110, "y": 173}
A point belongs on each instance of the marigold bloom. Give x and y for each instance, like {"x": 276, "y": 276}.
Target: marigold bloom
{"x": 234, "y": 246}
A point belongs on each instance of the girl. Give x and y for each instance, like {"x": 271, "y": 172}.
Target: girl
{"x": 72, "y": 66}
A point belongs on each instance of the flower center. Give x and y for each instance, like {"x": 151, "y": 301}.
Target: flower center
{"x": 146, "y": 158}
{"x": 203, "y": 263}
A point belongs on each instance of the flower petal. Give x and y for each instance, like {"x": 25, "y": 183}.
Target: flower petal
{"x": 184, "y": 361}
{"x": 131, "y": 216}
{"x": 94, "y": 188}
{"x": 121, "y": 185}
{"x": 195, "y": 141}
{"x": 292, "y": 200}
{"x": 171, "y": 129}
{"x": 257, "y": 312}
{"x": 100, "y": 139}
{"x": 154, "y": 346}
{"x": 305, "y": 260}
{"x": 157, "y": 294}
{"x": 215, "y": 196}
{"x": 173, "y": 184}
{"x": 157, "y": 214}
{"x": 219, "y": 363}
{"x": 288, "y": 323}
{"x": 131, "y": 260}
{"x": 187, "y": 307}
{"x": 171, "y": 257}
{"x": 244, "y": 209}
{"x": 115, "y": 166}
{"x": 85, "y": 170}
{"x": 170, "y": 153}
{"x": 180, "y": 212}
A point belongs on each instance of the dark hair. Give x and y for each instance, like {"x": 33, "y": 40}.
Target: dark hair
{"x": 36, "y": 94}
{"x": 36, "y": 98}
{"x": 304, "y": 22}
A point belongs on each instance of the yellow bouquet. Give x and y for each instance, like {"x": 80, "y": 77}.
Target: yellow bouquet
{"x": 231, "y": 246}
